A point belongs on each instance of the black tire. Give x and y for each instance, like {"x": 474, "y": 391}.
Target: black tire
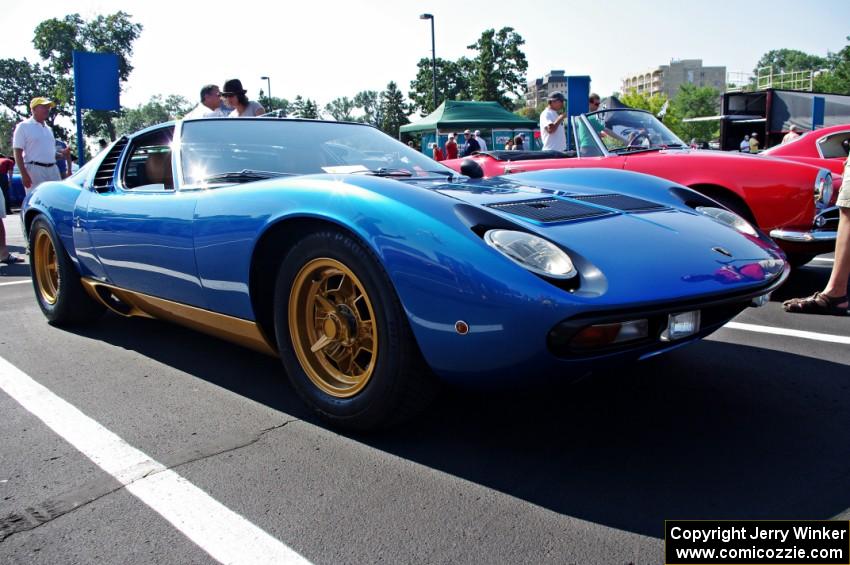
{"x": 56, "y": 281}
{"x": 399, "y": 384}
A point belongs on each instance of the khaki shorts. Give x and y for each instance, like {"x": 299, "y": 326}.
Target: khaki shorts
{"x": 39, "y": 174}
{"x": 844, "y": 195}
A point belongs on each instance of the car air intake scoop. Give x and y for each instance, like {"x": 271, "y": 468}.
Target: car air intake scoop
{"x": 549, "y": 209}
{"x": 620, "y": 202}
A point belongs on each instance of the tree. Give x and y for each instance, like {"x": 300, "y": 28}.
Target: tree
{"x": 279, "y": 105}
{"x": 7, "y": 128}
{"x": 155, "y": 111}
{"x": 311, "y": 110}
{"x": 369, "y": 102}
{"x": 304, "y": 108}
{"x": 453, "y": 83}
{"x": 499, "y": 68}
{"x": 297, "y": 107}
{"x": 787, "y": 60}
{"x": 837, "y": 78}
{"x": 56, "y": 40}
{"x": 531, "y": 112}
{"x": 20, "y": 82}
{"x": 693, "y": 102}
{"x": 642, "y": 101}
{"x": 393, "y": 109}
{"x": 340, "y": 109}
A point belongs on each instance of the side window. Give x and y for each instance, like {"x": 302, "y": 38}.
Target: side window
{"x": 587, "y": 146}
{"x": 835, "y": 146}
{"x": 149, "y": 162}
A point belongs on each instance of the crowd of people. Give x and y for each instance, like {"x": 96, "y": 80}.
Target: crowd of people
{"x": 472, "y": 143}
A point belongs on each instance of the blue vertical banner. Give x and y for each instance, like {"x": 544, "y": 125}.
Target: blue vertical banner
{"x": 96, "y": 87}
{"x": 818, "y": 108}
{"x": 578, "y": 91}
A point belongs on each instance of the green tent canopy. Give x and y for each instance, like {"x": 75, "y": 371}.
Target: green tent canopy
{"x": 453, "y": 115}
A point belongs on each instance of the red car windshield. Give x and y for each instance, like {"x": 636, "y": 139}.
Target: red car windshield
{"x": 624, "y": 130}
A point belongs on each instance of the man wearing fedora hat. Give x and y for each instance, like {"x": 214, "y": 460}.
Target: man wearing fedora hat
{"x": 234, "y": 95}
{"x": 35, "y": 146}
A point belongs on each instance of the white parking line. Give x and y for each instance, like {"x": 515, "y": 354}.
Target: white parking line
{"x": 15, "y": 282}
{"x": 792, "y": 333}
{"x": 219, "y": 531}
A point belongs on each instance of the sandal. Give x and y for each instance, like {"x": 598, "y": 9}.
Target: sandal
{"x": 818, "y": 303}
{"x": 11, "y": 259}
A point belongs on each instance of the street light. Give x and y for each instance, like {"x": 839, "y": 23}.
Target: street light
{"x": 268, "y": 80}
{"x": 433, "y": 55}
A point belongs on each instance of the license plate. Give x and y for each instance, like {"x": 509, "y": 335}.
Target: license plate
{"x": 681, "y": 325}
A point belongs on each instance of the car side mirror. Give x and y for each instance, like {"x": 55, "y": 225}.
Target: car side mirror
{"x": 471, "y": 169}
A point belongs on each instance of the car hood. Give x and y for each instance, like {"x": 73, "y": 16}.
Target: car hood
{"x": 645, "y": 250}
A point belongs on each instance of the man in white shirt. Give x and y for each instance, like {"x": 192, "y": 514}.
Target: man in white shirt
{"x": 552, "y": 132}
{"x": 210, "y": 106}
{"x": 35, "y": 146}
{"x": 791, "y": 135}
{"x": 480, "y": 141}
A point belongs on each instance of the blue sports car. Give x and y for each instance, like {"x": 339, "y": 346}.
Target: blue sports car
{"x": 372, "y": 271}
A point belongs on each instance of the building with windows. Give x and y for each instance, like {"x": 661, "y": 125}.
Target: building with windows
{"x": 667, "y": 79}
{"x": 539, "y": 89}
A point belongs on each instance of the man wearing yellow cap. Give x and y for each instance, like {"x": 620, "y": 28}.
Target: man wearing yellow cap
{"x": 35, "y": 147}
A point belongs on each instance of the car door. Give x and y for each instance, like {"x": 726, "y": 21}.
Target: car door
{"x": 139, "y": 226}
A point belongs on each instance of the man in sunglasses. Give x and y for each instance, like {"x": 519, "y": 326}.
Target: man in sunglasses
{"x": 210, "y": 106}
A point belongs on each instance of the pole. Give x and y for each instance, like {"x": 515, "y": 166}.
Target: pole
{"x": 81, "y": 147}
{"x": 434, "y": 64}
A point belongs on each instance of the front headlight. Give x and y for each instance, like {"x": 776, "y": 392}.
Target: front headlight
{"x": 728, "y": 218}
{"x": 532, "y": 253}
{"x": 823, "y": 186}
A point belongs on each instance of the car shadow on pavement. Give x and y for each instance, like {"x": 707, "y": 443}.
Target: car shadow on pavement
{"x": 803, "y": 281}
{"x": 711, "y": 431}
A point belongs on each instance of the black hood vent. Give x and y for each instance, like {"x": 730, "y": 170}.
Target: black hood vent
{"x": 549, "y": 209}
{"x": 620, "y": 202}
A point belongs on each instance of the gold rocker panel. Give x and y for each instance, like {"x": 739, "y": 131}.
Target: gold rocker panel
{"x": 129, "y": 303}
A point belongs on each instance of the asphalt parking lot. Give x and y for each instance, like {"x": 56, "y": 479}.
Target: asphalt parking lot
{"x": 748, "y": 424}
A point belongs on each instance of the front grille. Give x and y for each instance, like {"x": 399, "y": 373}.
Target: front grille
{"x": 620, "y": 202}
{"x": 712, "y": 316}
{"x": 549, "y": 209}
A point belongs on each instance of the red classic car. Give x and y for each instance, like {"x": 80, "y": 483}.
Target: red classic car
{"x": 789, "y": 200}
{"x": 825, "y": 147}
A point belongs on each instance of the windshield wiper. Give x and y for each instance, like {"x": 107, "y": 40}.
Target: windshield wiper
{"x": 384, "y": 172}
{"x": 243, "y": 175}
{"x": 449, "y": 174}
{"x": 635, "y": 149}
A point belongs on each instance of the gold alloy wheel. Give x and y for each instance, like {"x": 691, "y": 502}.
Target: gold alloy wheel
{"x": 46, "y": 267}
{"x": 333, "y": 329}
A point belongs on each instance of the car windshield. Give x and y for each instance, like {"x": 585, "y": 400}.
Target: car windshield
{"x": 231, "y": 151}
{"x": 630, "y": 130}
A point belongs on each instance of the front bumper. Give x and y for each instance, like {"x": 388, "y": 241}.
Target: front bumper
{"x": 715, "y": 312}
{"x": 824, "y": 230}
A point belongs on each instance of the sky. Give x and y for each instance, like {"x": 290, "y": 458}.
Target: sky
{"x": 324, "y": 50}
